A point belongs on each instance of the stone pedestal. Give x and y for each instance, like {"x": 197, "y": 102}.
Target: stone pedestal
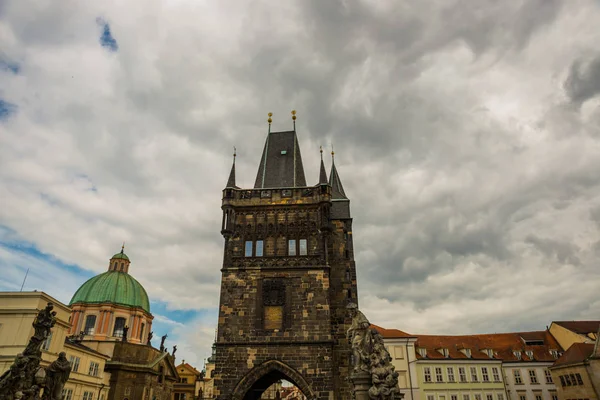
{"x": 361, "y": 382}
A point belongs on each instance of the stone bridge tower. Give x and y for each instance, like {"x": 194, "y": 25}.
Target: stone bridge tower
{"x": 288, "y": 274}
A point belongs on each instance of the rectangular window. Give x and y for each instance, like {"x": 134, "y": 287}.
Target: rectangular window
{"x": 573, "y": 380}
{"x": 496, "y": 374}
{"x": 93, "y": 371}
{"x": 484, "y": 374}
{"x": 568, "y": 380}
{"x": 46, "y": 344}
{"x": 562, "y": 381}
{"x": 474, "y": 377}
{"x": 430, "y": 397}
{"x": 303, "y": 247}
{"x": 538, "y": 397}
{"x": 259, "y": 248}
{"x": 522, "y": 397}
{"x": 453, "y": 397}
{"x": 427, "y": 374}
{"x": 554, "y": 396}
{"x": 88, "y": 395}
{"x": 248, "y": 251}
{"x": 477, "y": 397}
{"x": 465, "y": 397}
{"x": 67, "y": 394}
{"x": 74, "y": 363}
{"x": 579, "y": 380}
{"x": 450, "y": 371}
{"x": 500, "y": 396}
{"x": 548, "y": 376}
{"x": 462, "y": 374}
{"x": 438, "y": 374}
{"x": 292, "y": 247}
{"x": 517, "y": 375}
{"x": 489, "y": 396}
{"x": 532, "y": 376}
{"x": 90, "y": 324}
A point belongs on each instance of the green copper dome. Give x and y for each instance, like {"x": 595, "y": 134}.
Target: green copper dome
{"x": 113, "y": 287}
{"x": 121, "y": 256}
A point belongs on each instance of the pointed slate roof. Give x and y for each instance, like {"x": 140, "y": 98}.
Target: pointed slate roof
{"x": 281, "y": 162}
{"x": 336, "y": 183}
{"x": 322, "y": 173}
{"x": 231, "y": 180}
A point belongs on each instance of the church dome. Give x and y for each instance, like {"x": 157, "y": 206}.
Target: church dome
{"x": 114, "y": 286}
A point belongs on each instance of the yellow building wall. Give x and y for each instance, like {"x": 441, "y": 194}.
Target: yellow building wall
{"x": 445, "y": 390}
{"x": 17, "y": 313}
{"x": 402, "y": 352}
{"x": 565, "y": 337}
{"x": 80, "y": 380}
{"x": 585, "y": 391}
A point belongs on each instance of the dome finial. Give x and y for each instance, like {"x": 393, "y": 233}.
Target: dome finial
{"x": 123, "y": 248}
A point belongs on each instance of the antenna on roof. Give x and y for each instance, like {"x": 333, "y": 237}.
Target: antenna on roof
{"x": 294, "y": 118}
{"x": 24, "y": 279}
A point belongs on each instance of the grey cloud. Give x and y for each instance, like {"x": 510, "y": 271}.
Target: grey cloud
{"x": 583, "y": 81}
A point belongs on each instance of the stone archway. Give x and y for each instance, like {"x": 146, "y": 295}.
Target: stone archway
{"x": 261, "y": 377}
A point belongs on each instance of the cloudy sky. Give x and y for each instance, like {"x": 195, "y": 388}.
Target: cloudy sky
{"x": 467, "y": 135}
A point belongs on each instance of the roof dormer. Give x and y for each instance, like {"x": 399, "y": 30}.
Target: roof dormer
{"x": 466, "y": 352}
{"x": 422, "y": 351}
{"x": 443, "y": 351}
{"x": 488, "y": 352}
{"x": 517, "y": 354}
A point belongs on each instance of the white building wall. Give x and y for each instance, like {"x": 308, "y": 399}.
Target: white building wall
{"x": 527, "y": 388}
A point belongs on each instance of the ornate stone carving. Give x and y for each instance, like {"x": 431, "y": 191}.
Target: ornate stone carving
{"x": 25, "y": 378}
{"x": 370, "y": 356}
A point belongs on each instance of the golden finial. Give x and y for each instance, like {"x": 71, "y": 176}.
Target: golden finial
{"x": 270, "y": 120}
{"x": 294, "y": 115}
{"x": 123, "y": 248}
{"x": 332, "y": 152}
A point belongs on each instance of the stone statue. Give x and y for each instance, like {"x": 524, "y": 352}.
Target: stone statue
{"x": 25, "y": 378}
{"x": 358, "y": 334}
{"x": 125, "y": 332}
{"x": 372, "y": 362}
{"x": 57, "y": 374}
{"x": 174, "y": 350}
{"x": 162, "y": 342}
{"x": 150, "y": 336}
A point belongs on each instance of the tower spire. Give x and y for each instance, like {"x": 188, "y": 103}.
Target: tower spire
{"x": 231, "y": 180}
{"x": 334, "y": 180}
{"x": 322, "y": 173}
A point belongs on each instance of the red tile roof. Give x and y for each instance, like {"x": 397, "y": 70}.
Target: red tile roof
{"x": 391, "y": 333}
{"x": 502, "y": 344}
{"x": 581, "y": 327}
{"x": 577, "y": 353}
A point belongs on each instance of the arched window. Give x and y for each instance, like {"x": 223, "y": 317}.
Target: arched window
{"x": 122, "y": 264}
{"x": 90, "y": 324}
{"x": 142, "y": 331}
{"x": 119, "y": 325}
{"x": 115, "y": 266}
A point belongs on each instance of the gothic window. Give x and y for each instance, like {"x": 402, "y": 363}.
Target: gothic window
{"x": 292, "y": 247}
{"x": 248, "y": 251}
{"x": 273, "y": 304}
{"x": 259, "y": 248}
{"x": 90, "y": 324}
{"x": 303, "y": 247}
{"x": 119, "y": 325}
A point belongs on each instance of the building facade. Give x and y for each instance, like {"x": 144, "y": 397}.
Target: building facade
{"x": 288, "y": 274}
{"x": 186, "y": 387}
{"x": 577, "y": 372}
{"x": 87, "y": 381}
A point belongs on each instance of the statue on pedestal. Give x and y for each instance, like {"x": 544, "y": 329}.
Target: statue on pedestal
{"x": 57, "y": 374}
{"x": 162, "y": 342}
{"x": 371, "y": 361}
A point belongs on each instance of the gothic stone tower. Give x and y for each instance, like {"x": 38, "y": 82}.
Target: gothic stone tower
{"x": 288, "y": 274}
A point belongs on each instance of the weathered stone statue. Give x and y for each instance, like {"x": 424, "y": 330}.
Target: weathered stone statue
{"x": 374, "y": 377}
{"x": 162, "y": 342}
{"x": 125, "y": 332}
{"x": 150, "y": 336}
{"x": 358, "y": 334}
{"x": 174, "y": 350}
{"x": 57, "y": 374}
{"x": 25, "y": 378}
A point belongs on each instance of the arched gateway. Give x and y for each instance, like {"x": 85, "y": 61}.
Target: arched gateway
{"x": 252, "y": 386}
{"x": 288, "y": 274}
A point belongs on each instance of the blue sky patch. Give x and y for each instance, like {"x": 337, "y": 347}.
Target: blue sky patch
{"x": 7, "y": 109}
{"x": 13, "y": 67}
{"x": 106, "y": 38}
